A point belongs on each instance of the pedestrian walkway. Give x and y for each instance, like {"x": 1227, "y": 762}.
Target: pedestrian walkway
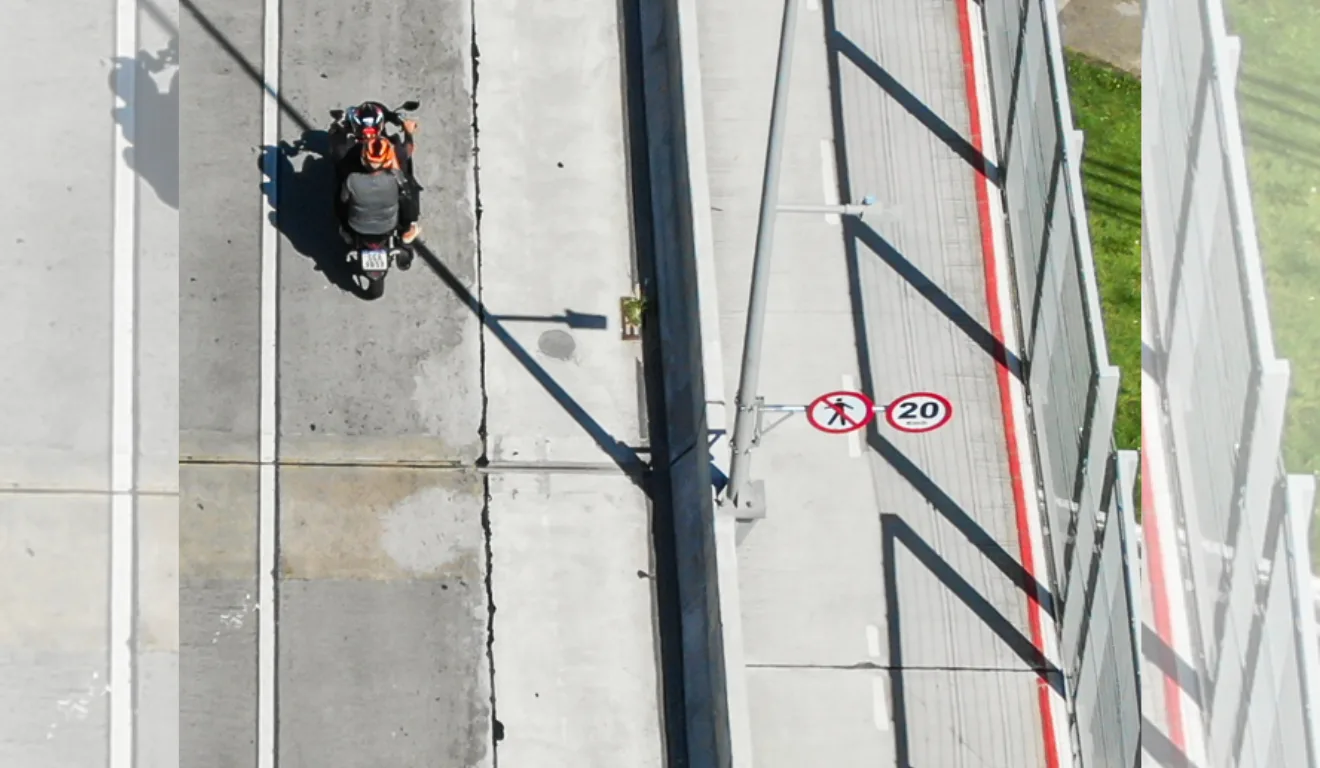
{"x": 885, "y": 607}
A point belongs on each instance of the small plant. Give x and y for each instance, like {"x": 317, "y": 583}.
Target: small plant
{"x": 633, "y": 309}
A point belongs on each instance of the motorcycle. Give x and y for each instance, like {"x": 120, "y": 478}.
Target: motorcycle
{"x": 374, "y": 254}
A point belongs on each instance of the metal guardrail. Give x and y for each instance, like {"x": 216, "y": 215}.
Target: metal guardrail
{"x": 1222, "y": 390}
{"x": 1071, "y": 385}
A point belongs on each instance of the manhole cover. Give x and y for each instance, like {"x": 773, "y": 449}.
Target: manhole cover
{"x": 557, "y": 344}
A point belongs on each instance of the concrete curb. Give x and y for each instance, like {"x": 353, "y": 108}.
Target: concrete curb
{"x": 726, "y": 552}
{"x": 694, "y": 118}
{"x": 714, "y": 695}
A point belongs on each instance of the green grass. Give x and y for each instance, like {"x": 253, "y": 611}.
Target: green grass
{"x": 1106, "y": 106}
{"x": 1279, "y": 101}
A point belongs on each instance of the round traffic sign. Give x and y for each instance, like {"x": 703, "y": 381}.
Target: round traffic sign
{"x": 919, "y": 412}
{"x": 840, "y": 412}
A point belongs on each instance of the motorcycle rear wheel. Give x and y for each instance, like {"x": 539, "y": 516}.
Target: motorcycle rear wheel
{"x": 375, "y": 288}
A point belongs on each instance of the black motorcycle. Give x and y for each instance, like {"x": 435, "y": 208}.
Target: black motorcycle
{"x": 374, "y": 254}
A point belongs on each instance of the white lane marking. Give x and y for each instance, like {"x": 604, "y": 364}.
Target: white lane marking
{"x": 123, "y": 458}
{"x": 854, "y": 442}
{"x": 829, "y": 178}
{"x": 813, "y": 5}
{"x": 880, "y": 703}
{"x": 873, "y": 641}
{"x": 267, "y": 609}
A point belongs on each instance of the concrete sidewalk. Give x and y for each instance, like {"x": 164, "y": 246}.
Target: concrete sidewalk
{"x": 884, "y": 611}
{"x": 1108, "y": 30}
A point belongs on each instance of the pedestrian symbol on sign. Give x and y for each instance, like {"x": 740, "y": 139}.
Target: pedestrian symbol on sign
{"x": 838, "y": 407}
{"x": 840, "y": 412}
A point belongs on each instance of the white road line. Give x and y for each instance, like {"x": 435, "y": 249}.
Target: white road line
{"x": 873, "y": 641}
{"x": 854, "y": 442}
{"x": 829, "y": 178}
{"x": 813, "y": 5}
{"x": 880, "y": 703}
{"x": 123, "y": 454}
{"x": 267, "y": 501}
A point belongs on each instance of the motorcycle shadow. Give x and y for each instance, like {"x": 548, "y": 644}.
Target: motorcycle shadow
{"x": 303, "y": 201}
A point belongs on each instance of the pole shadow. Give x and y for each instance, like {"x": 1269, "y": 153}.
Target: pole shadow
{"x": 622, "y": 455}
{"x": 581, "y": 321}
{"x": 149, "y": 117}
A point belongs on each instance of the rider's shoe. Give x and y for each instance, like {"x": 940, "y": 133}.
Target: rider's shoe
{"x": 411, "y": 234}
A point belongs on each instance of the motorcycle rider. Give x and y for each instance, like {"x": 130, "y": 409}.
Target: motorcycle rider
{"x": 375, "y": 195}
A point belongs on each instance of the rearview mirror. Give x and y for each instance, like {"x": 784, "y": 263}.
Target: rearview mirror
{"x": 409, "y": 106}
{"x": 335, "y": 114}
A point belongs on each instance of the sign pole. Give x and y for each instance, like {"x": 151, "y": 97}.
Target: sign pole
{"x": 744, "y": 425}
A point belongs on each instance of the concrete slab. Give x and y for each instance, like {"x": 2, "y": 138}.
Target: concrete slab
{"x": 55, "y": 634}
{"x": 556, "y": 234}
{"x": 156, "y": 129}
{"x": 57, "y": 309}
{"x": 157, "y": 656}
{"x": 397, "y": 379}
{"x": 383, "y": 619}
{"x": 220, "y": 250}
{"x": 217, "y": 710}
{"x": 577, "y": 679}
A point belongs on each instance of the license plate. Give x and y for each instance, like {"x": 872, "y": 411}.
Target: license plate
{"x": 375, "y": 261}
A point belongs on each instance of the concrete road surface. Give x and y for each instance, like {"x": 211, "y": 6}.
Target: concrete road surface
{"x": 88, "y": 441}
{"x": 463, "y": 541}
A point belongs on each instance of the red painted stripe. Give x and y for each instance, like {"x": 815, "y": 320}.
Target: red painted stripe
{"x": 1043, "y": 689}
{"x": 1160, "y": 598}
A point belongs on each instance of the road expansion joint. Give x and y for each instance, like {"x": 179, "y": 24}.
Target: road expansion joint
{"x": 480, "y": 465}
{"x": 872, "y": 666}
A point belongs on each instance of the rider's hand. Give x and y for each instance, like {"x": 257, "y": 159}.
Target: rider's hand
{"x": 410, "y": 126}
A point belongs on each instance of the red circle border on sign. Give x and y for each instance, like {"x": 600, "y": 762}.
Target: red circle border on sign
{"x": 948, "y": 412}
{"x": 866, "y": 418}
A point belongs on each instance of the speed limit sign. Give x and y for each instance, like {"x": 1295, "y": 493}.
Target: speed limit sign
{"x": 919, "y": 412}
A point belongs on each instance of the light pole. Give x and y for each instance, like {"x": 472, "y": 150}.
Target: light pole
{"x": 743, "y": 497}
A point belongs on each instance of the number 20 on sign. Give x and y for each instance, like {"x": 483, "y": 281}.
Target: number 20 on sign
{"x": 919, "y": 412}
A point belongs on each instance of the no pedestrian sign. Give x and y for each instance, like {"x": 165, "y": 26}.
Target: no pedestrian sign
{"x": 840, "y": 412}
{"x": 919, "y": 412}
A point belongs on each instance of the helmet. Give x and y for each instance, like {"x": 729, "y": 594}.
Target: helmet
{"x": 378, "y": 151}
{"x": 367, "y": 118}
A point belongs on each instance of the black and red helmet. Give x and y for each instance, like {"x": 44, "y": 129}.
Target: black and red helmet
{"x": 367, "y": 119}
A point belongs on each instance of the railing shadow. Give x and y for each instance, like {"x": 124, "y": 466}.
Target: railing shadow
{"x": 839, "y": 45}
{"x": 895, "y": 531}
{"x": 857, "y": 231}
